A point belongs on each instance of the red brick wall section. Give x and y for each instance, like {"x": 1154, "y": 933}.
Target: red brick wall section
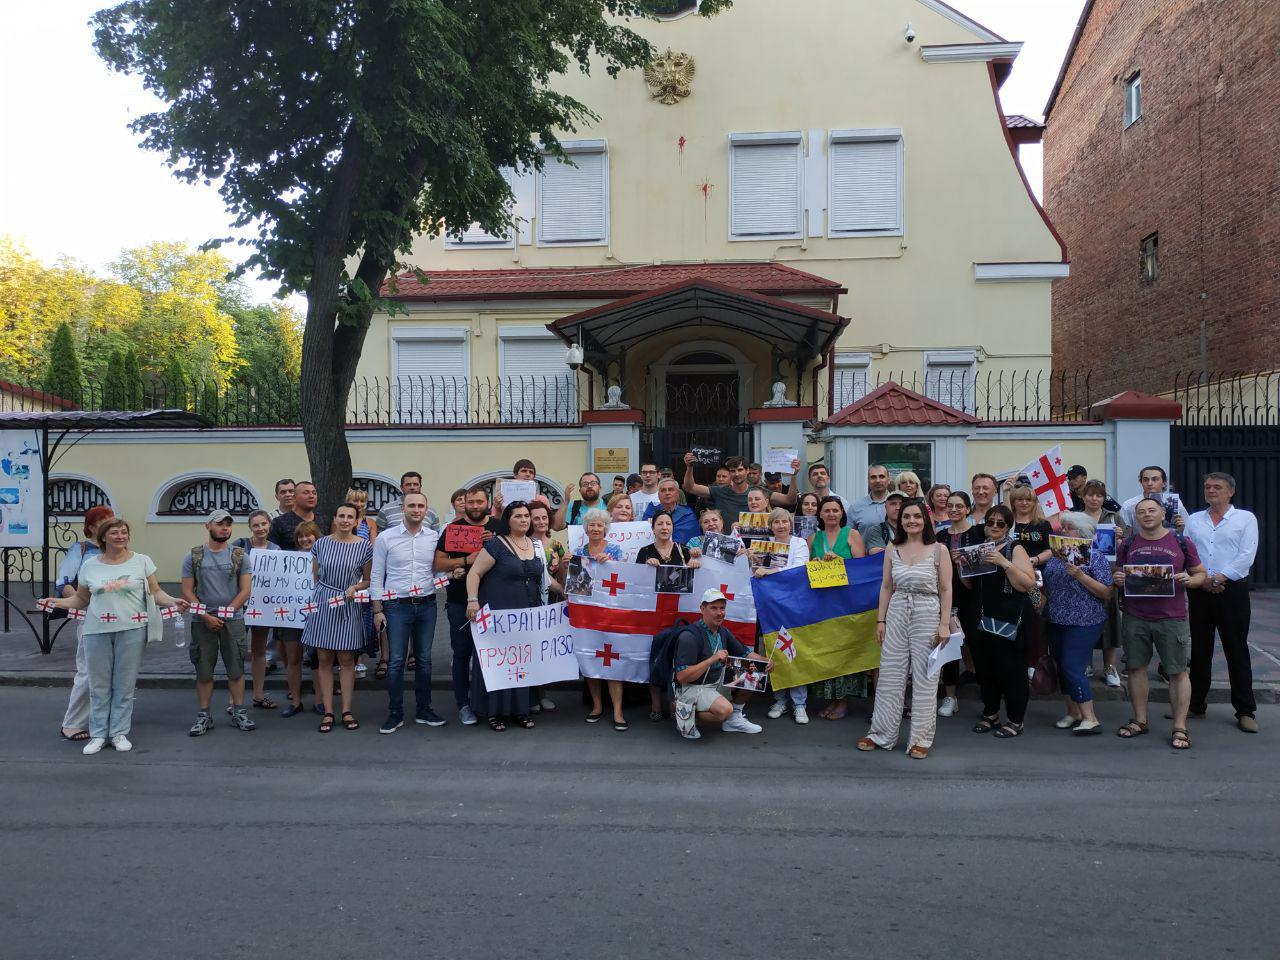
{"x": 1201, "y": 167}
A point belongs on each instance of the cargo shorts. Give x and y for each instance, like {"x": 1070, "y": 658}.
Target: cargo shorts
{"x": 207, "y": 644}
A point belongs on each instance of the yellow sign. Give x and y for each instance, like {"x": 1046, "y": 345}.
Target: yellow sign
{"x": 611, "y": 460}
{"x": 827, "y": 573}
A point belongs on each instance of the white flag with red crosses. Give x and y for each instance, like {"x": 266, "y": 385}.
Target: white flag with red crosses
{"x": 1048, "y": 476}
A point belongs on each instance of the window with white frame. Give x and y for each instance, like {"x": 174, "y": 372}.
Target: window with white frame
{"x": 198, "y": 496}
{"x": 1132, "y": 98}
{"x": 71, "y": 496}
{"x": 766, "y": 193}
{"x": 476, "y": 236}
{"x": 573, "y": 196}
{"x": 537, "y": 385}
{"x": 852, "y": 378}
{"x": 430, "y": 381}
{"x": 949, "y": 377}
{"x": 866, "y": 183}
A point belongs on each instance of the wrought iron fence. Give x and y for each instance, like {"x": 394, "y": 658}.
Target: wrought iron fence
{"x": 1228, "y": 399}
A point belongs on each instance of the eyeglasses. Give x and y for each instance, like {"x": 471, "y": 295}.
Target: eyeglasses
{"x": 996, "y": 524}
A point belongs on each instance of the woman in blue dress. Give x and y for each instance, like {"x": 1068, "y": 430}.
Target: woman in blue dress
{"x": 341, "y": 567}
{"x": 507, "y": 575}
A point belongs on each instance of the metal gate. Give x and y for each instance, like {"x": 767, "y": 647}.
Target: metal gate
{"x": 1249, "y": 453}
{"x": 699, "y": 410}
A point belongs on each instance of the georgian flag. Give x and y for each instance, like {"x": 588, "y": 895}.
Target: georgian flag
{"x": 1048, "y": 478}
{"x": 198, "y": 607}
{"x": 361, "y": 596}
{"x": 785, "y": 644}
{"x": 75, "y": 614}
{"x": 226, "y": 612}
{"x": 253, "y": 614}
{"x": 614, "y": 627}
{"x": 168, "y": 613}
{"x": 44, "y": 605}
{"x": 338, "y": 601}
{"x": 440, "y": 582}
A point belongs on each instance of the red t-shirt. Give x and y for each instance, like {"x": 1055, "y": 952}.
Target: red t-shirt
{"x": 1166, "y": 550}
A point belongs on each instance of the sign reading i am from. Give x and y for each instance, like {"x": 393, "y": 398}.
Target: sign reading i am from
{"x": 282, "y": 585}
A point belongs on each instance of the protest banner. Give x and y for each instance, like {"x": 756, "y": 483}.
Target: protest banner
{"x": 779, "y": 460}
{"x": 282, "y": 586}
{"x": 463, "y": 537}
{"x": 707, "y": 456}
{"x": 513, "y": 490}
{"x": 628, "y": 537}
{"x": 525, "y": 647}
{"x": 827, "y": 573}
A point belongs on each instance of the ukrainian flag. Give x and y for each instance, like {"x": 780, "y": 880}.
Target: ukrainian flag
{"x": 834, "y": 628}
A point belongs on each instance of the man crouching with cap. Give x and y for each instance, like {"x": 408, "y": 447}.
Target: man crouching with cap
{"x": 701, "y": 651}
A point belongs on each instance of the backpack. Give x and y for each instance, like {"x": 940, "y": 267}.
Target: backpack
{"x": 662, "y": 656}
{"x": 197, "y": 558}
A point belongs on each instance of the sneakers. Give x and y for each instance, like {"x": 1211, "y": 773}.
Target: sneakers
{"x": 1113, "y": 676}
{"x": 1088, "y": 671}
{"x": 203, "y": 725}
{"x": 430, "y": 718}
{"x": 693, "y": 734}
{"x": 467, "y": 716}
{"x": 949, "y": 707}
{"x": 361, "y": 671}
{"x": 391, "y": 724}
{"x": 738, "y": 723}
{"x": 778, "y": 708}
{"x": 802, "y": 715}
{"x": 242, "y": 721}
{"x": 547, "y": 704}
{"x": 120, "y": 743}
{"x": 94, "y": 745}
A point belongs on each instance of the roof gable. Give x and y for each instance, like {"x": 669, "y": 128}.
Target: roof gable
{"x": 960, "y": 20}
{"x": 893, "y": 405}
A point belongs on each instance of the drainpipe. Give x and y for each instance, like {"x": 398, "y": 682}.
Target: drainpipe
{"x": 826, "y": 360}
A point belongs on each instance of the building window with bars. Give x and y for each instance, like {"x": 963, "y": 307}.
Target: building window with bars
{"x": 197, "y": 497}
{"x": 71, "y": 497}
{"x": 1150, "y": 258}
{"x": 380, "y": 491}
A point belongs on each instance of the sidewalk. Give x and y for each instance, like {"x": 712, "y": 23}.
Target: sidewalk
{"x": 167, "y": 665}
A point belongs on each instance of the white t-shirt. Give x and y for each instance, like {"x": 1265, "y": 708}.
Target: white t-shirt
{"x": 640, "y": 501}
{"x": 117, "y": 593}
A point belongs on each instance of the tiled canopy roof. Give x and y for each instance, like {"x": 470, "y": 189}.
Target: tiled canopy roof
{"x": 892, "y": 405}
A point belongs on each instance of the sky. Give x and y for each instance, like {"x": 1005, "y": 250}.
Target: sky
{"x": 73, "y": 180}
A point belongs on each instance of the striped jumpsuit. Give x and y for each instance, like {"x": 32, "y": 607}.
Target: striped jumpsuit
{"x": 911, "y": 623}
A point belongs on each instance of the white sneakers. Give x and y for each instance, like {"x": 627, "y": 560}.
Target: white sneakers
{"x": 802, "y": 715}
{"x": 738, "y": 723}
{"x": 949, "y": 707}
{"x": 778, "y": 708}
{"x": 1113, "y": 676}
{"x": 120, "y": 742}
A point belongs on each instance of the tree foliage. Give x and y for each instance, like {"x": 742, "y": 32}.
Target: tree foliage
{"x": 63, "y": 378}
{"x": 341, "y": 129}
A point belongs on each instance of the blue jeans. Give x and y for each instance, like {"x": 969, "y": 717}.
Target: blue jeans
{"x": 1072, "y": 649}
{"x": 407, "y": 622}
{"x": 460, "y": 641}
{"x": 799, "y": 695}
{"x": 113, "y": 660}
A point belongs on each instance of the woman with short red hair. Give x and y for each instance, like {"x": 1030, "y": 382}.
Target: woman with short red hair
{"x": 75, "y": 724}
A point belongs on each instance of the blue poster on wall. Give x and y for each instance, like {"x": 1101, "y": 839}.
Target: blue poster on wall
{"x": 21, "y": 489}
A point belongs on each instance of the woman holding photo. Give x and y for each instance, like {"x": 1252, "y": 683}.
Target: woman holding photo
{"x": 597, "y": 549}
{"x": 1095, "y": 507}
{"x": 999, "y": 653}
{"x": 914, "y": 617}
{"x": 1075, "y": 613}
{"x": 763, "y": 565}
{"x": 663, "y": 552}
{"x": 836, "y": 537}
{"x": 959, "y": 532}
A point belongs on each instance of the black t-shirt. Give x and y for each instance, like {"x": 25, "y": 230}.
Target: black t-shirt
{"x": 456, "y": 590}
{"x": 283, "y": 527}
{"x": 1034, "y": 536}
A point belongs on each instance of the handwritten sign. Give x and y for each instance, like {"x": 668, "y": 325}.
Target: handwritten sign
{"x": 629, "y": 538}
{"x": 513, "y": 490}
{"x": 463, "y": 538}
{"x": 282, "y": 586}
{"x": 707, "y": 456}
{"x": 526, "y": 647}
{"x": 779, "y": 459}
{"x": 827, "y": 573}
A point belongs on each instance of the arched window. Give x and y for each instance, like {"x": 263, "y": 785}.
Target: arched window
{"x": 70, "y": 495}
{"x": 194, "y": 496}
{"x": 381, "y": 490}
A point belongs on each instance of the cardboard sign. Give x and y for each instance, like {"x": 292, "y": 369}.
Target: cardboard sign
{"x": 282, "y": 586}
{"x": 629, "y": 538}
{"x": 778, "y": 460}
{"x": 827, "y": 573}
{"x": 463, "y": 538}
{"x": 525, "y": 647}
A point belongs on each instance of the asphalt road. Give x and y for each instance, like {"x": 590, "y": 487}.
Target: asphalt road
{"x": 576, "y": 841}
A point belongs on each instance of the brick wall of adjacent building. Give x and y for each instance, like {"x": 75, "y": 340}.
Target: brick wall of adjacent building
{"x": 1201, "y": 168}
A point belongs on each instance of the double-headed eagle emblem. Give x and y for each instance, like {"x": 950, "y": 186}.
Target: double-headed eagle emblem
{"x": 669, "y": 76}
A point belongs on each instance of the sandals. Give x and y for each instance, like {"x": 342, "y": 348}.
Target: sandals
{"x": 866, "y": 744}
{"x": 1179, "y": 740}
{"x": 1086, "y": 729}
{"x": 839, "y": 713}
{"x": 1008, "y": 731}
{"x": 657, "y": 716}
{"x": 293, "y": 709}
{"x": 349, "y": 720}
{"x": 381, "y": 672}
{"x": 1134, "y": 728}
{"x": 986, "y": 724}
{"x": 918, "y": 752}
{"x": 265, "y": 703}
{"x": 496, "y": 724}
{"x": 621, "y": 726}
{"x": 326, "y": 723}
{"x": 594, "y": 717}
{"x": 523, "y": 721}
{"x": 78, "y": 737}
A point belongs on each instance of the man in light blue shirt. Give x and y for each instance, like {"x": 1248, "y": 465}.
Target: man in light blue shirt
{"x": 867, "y": 512}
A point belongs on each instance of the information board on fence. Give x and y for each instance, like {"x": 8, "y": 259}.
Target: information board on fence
{"x": 526, "y": 647}
{"x": 282, "y": 583}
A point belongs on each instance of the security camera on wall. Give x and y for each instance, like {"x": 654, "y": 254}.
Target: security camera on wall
{"x": 910, "y": 34}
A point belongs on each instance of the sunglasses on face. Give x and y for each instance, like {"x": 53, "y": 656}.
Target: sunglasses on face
{"x": 996, "y": 524}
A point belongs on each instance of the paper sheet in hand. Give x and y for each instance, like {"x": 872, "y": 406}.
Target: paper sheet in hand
{"x": 778, "y": 460}
{"x": 513, "y": 490}
{"x": 948, "y": 652}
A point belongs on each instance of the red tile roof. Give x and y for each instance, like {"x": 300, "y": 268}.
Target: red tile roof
{"x": 892, "y": 405}
{"x": 1016, "y": 121}
{"x": 771, "y": 279}
{"x": 30, "y": 393}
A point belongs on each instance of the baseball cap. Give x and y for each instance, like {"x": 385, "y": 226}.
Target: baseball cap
{"x": 1077, "y": 471}
{"x": 217, "y": 517}
{"x": 713, "y": 596}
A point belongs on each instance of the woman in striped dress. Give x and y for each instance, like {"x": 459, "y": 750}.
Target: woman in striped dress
{"x": 914, "y": 617}
{"x": 341, "y": 567}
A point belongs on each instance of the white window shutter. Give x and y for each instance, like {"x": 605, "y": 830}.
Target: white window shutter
{"x": 950, "y": 383}
{"x": 429, "y": 387}
{"x": 573, "y": 201}
{"x": 475, "y": 236}
{"x": 865, "y": 186}
{"x": 537, "y": 384}
{"x": 852, "y": 384}
{"x": 765, "y": 197}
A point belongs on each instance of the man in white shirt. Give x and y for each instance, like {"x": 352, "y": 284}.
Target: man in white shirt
{"x": 648, "y": 492}
{"x": 392, "y": 512}
{"x": 1226, "y": 538}
{"x": 868, "y": 512}
{"x": 1154, "y": 484}
{"x": 402, "y": 591}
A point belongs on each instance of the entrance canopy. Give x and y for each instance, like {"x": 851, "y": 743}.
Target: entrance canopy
{"x": 789, "y": 328}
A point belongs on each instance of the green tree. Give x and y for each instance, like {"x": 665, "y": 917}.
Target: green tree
{"x": 342, "y": 128}
{"x": 176, "y": 389}
{"x": 207, "y": 405}
{"x": 133, "y": 386}
{"x": 63, "y": 377}
{"x": 115, "y": 393}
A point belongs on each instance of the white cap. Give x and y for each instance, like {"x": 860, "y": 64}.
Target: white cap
{"x": 714, "y": 596}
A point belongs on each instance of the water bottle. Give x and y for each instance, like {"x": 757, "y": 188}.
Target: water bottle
{"x": 180, "y": 631}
